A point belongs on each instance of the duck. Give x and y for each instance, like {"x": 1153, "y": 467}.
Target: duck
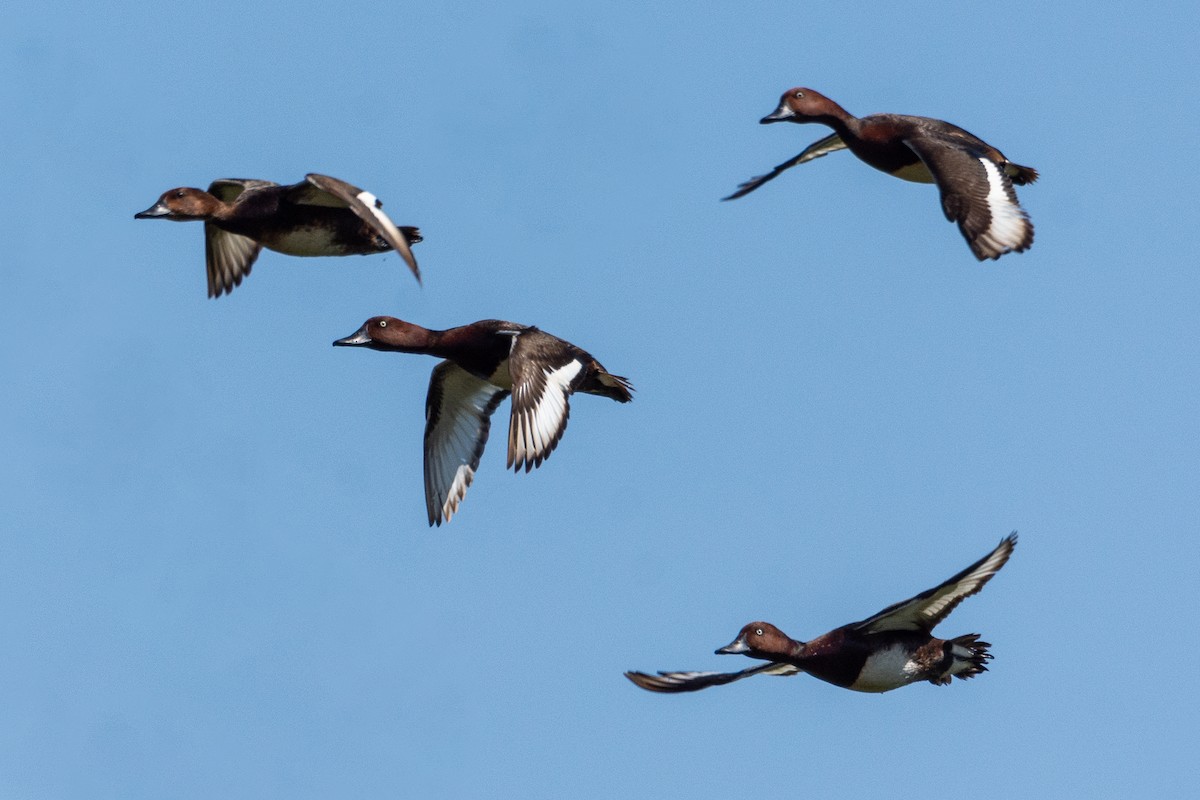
{"x": 484, "y": 362}
{"x": 975, "y": 179}
{"x": 885, "y": 651}
{"x": 319, "y": 216}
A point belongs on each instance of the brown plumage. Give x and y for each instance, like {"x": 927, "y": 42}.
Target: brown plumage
{"x": 487, "y": 361}
{"x": 320, "y": 216}
{"x": 975, "y": 179}
{"x": 890, "y": 649}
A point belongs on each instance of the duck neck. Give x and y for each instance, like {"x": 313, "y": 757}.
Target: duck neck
{"x": 224, "y": 215}
{"x": 430, "y": 343}
{"x": 452, "y": 344}
{"x": 409, "y": 338}
{"x": 845, "y": 124}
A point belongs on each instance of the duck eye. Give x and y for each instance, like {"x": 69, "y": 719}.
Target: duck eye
{"x": 383, "y": 323}
{"x": 758, "y": 631}
{"x": 798, "y": 95}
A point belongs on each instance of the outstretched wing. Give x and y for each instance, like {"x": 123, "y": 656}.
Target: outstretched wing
{"x": 978, "y": 194}
{"x": 545, "y": 370}
{"x": 815, "y": 150}
{"x": 926, "y": 610}
{"x": 674, "y": 682}
{"x": 458, "y": 413}
{"x": 322, "y": 190}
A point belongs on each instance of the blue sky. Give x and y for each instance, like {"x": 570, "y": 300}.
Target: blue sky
{"x": 217, "y": 577}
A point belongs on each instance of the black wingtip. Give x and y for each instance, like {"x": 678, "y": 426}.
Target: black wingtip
{"x": 742, "y": 190}
{"x": 654, "y": 683}
{"x": 639, "y": 679}
{"x": 746, "y": 187}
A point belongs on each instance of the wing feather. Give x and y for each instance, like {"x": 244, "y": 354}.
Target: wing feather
{"x": 545, "y": 371}
{"x": 458, "y": 411}
{"x": 926, "y": 610}
{"x": 675, "y": 682}
{"x": 815, "y": 150}
{"x": 978, "y": 194}
{"x": 323, "y": 190}
{"x": 228, "y": 258}
{"x": 229, "y": 189}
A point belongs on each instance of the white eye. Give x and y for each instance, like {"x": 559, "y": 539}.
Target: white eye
{"x": 383, "y": 323}
{"x": 798, "y": 95}
{"x": 758, "y": 631}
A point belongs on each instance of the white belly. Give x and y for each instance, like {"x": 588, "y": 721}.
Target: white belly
{"x": 887, "y": 669}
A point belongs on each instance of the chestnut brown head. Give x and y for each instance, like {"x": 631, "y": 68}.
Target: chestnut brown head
{"x": 182, "y": 204}
{"x": 759, "y": 640}
{"x": 803, "y": 105}
{"x": 388, "y": 333}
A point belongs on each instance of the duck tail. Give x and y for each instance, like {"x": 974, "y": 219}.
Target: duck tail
{"x": 1020, "y": 175}
{"x": 601, "y": 381}
{"x": 412, "y": 234}
{"x": 968, "y": 658}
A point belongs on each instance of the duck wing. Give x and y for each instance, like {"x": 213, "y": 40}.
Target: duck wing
{"x": 229, "y": 189}
{"x": 545, "y": 370}
{"x": 977, "y": 193}
{"x": 926, "y": 610}
{"x": 229, "y": 256}
{"x": 815, "y": 150}
{"x": 458, "y": 412}
{"x": 322, "y": 190}
{"x": 673, "y": 682}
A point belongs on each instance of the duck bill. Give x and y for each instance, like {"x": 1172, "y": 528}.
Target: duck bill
{"x": 781, "y": 114}
{"x": 736, "y": 647}
{"x": 359, "y": 338}
{"x": 156, "y": 210}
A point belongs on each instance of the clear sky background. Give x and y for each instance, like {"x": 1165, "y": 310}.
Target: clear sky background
{"x": 217, "y": 579}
